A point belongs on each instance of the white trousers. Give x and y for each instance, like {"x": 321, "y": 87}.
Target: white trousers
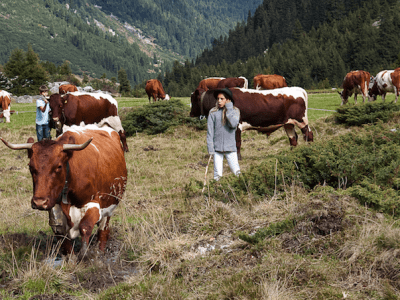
{"x": 233, "y": 163}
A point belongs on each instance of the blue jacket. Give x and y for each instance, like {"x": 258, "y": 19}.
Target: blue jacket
{"x": 221, "y": 138}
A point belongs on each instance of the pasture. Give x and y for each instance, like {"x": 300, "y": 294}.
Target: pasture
{"x": 168, "y": 242}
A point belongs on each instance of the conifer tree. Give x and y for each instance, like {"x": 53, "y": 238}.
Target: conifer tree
{"x": 125, "y": 86}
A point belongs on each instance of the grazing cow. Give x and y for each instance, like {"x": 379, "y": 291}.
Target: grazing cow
{"x": 269, "y": 82}
{"x": 231, "y": 82}
{"x": 155, "y": 89}
{"x": 5, "y": 105}
{"x": 385, "y": 81}
{"x": 356, "y": 82}
{"x": 65, "y": 88}
{"x": 210, "y": 83}
{"x": 90, "y": 108}
{"x": 264, "y": 111}
{"x": 80, "y": 177}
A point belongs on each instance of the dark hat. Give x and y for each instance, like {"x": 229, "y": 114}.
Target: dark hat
{"x": 226, "y": 91}
{"x": 43, "y": 88}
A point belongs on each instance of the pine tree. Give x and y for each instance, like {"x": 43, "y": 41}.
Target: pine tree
{"x": 125, "y": 86}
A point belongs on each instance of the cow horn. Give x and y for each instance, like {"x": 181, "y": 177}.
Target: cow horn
{"x": 17, "y": 146}
{"x": 77, "y": 147}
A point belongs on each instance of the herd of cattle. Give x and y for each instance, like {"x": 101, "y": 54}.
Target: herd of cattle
{"x": 86, "y": 186}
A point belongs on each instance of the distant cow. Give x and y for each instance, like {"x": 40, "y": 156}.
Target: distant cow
{"x": 264, "y": 111}
{"x": 83, "y": 179}
{"x": 210, "y": 83}
{"x": 90, "y": 108}
{"x": 269, "y": 82}
{"x": 155, "y": 89}
{"x": 65, "y": 88}
{"x": 5, "y": 105}
{"x": 231, "y": 82}
{"x": 384, "y": 82}
{"x": 356, "y": 82}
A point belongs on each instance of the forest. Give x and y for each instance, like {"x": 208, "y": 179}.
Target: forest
{"x": 313, "y": 50}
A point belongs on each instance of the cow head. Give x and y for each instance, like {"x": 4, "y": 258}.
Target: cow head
{"x": 373, "y": 90}
{"x": 195, "y": 99}
{"x": 48, "y": 167}
{"x": 57, "y": 103}
{"x": 344, "y": 96}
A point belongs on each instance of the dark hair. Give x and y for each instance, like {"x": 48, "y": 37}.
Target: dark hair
{"x": 227, "y": 92}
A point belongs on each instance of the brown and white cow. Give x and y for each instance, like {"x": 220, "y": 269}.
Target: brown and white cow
{"x": 264, "y": 111}
{"x": 269, "y": 82}
{"x": 384, "y": 82}
{"x": 90, "y": 108}
{"x": 67, "y": 88}
{"x": 209, "y": 83}
{"x": 231, "y": 82}
{"x": 81, "y": 176}
{"x": 5, "y": 105}
{"x": 356, "y": 82}
{"x": 155, "y": 90}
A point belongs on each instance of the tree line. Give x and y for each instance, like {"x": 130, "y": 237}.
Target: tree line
{"x": 366, "y": 37}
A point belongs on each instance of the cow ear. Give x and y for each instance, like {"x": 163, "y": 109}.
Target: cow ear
{"x": 30, "y": 152}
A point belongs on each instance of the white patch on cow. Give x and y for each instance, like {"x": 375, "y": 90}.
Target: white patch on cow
{"x": 246, "y": 82}
{"x": 76, "y": 214}
{"x": 294, "y": 91}
{"x": 5, "y": 94}
{"x": 98, "y": 96}
{"x": 7, "y": 114}
{"x": 82, "y": 128}
{"x": 106, "y": 212}
{"x": 244, "y": 126}
{"x": 113, "y": 122}
{"x": 167, "y": 97}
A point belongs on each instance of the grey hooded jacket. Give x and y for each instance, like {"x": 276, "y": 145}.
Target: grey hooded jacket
{"x": 221, "y": 138}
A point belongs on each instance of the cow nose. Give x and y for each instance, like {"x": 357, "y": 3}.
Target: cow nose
{"x": 39, "y": 203}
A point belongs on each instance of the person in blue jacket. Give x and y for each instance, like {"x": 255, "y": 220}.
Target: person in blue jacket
{"x": 222, "y": 122}
{"x": 42, "y": 115}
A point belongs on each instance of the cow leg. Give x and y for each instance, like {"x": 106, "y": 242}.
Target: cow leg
{"x": 86, "y": 226}
{"x": 291, "y": 133}
{"x": 396, "y": 92}
{"x": 122, "y": 137}
{"x": 238, "y": 142}
{"x": 355, "y": 98}
{"x": 104, "y": 232}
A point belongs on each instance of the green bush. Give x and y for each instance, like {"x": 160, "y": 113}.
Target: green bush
{"x": 365, "y": 160}
{"x": 369, "y": 113}
{"x": 158, "y": 117}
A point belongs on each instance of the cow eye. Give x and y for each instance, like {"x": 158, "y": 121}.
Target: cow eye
{"x": 59, "y": 168}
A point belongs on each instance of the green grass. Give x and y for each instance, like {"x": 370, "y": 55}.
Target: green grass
{"x": 164, "y": 219}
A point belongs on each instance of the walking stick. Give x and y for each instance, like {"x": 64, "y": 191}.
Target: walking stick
{"x": 205, "y": 175}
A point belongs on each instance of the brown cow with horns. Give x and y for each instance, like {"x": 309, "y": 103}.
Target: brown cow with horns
{"x": 79, "y": 178}
{"x": 90, "y": 108}
{"x": 263, "y": 111}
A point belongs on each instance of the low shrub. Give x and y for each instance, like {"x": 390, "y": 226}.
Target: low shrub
{"x": 158, "y": 117}
{"x": 369, "y": 113}
{"x": 366, "y": 160}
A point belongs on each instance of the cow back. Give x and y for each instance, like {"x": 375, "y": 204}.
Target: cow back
{"x": 209, "y": 83}
{"x": 269, "y": 82}
{"x": 89, "y": 108}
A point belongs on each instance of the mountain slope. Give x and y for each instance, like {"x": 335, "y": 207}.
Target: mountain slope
{"x": 185, "y": 26}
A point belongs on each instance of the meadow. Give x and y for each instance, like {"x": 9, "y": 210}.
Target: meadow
{"x": 168, "y": 241}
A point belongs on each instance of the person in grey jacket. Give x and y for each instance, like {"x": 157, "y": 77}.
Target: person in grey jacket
{"x": 222, "y": 122}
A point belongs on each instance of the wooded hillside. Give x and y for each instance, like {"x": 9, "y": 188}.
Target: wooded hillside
{"x": 283, "y": 37}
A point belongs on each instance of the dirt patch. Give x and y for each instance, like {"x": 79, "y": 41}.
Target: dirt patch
{"x": 317, "y": 220}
